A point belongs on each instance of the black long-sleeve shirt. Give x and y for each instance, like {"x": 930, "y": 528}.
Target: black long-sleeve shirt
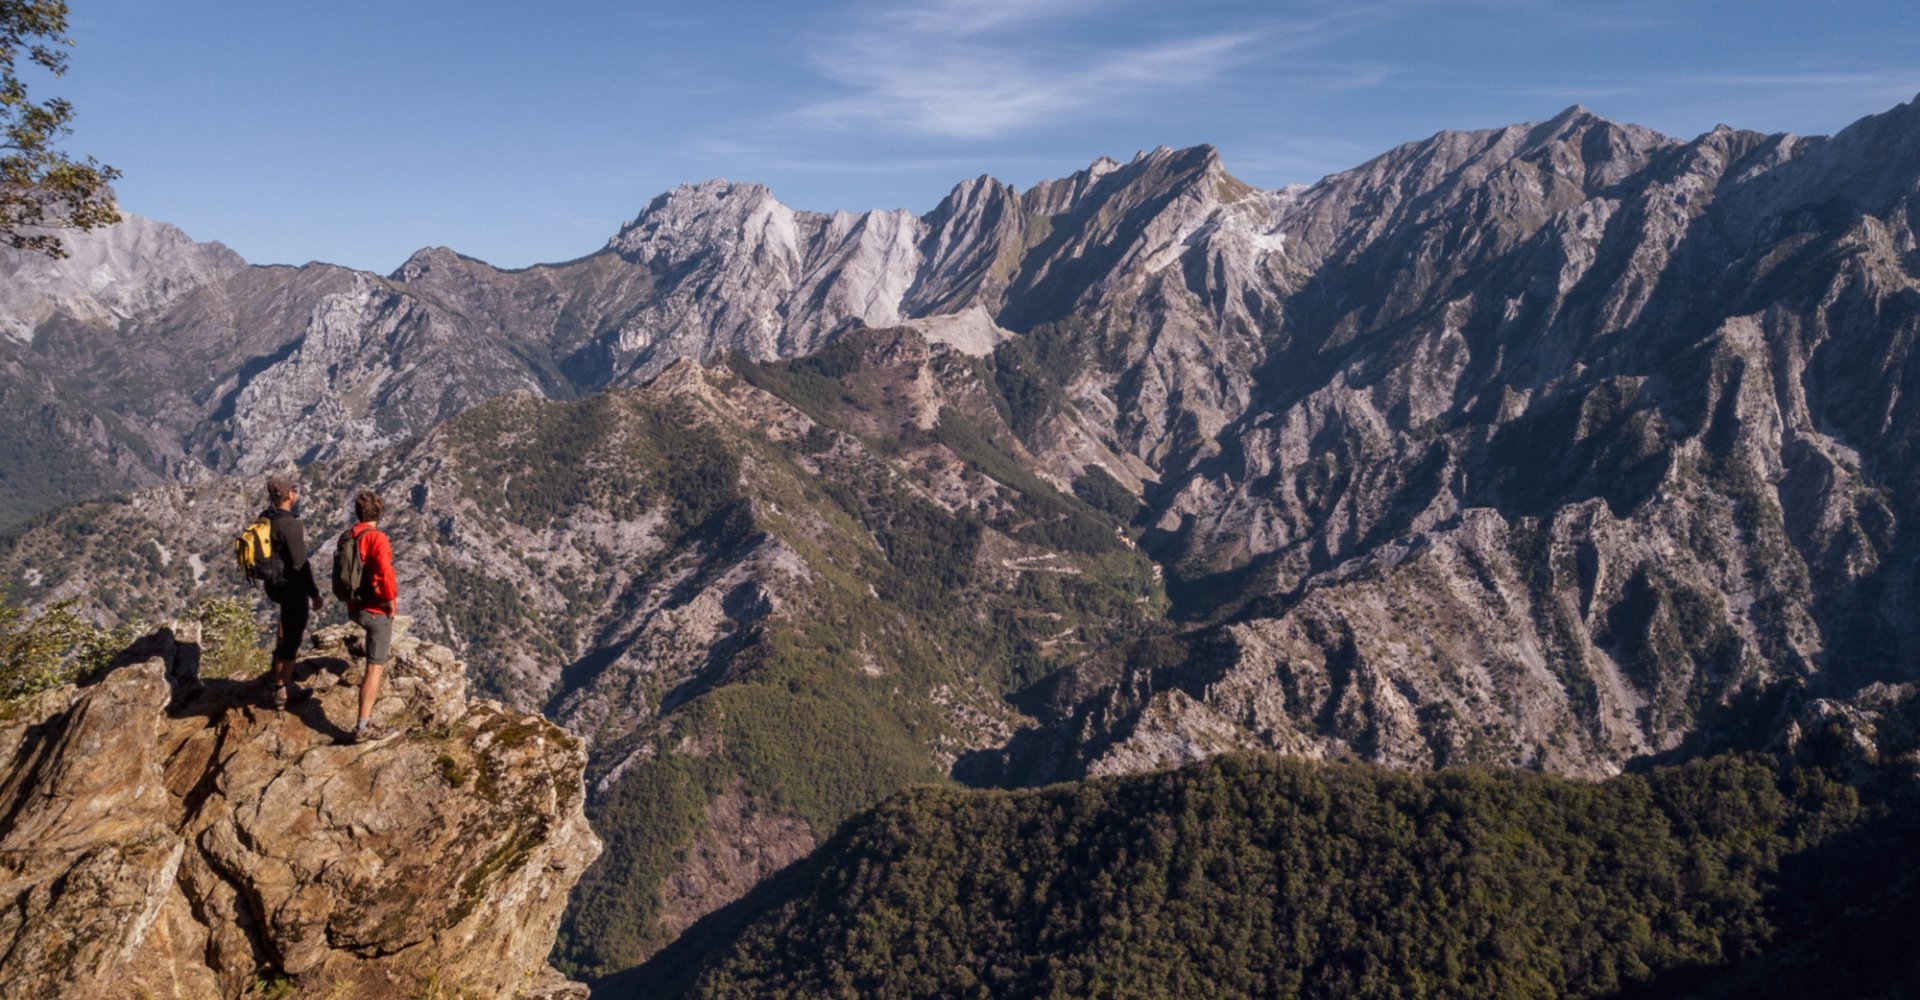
{"x": 290, "y": 544}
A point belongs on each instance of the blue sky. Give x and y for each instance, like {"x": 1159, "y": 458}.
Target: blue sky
{"x": 358, "y": 132}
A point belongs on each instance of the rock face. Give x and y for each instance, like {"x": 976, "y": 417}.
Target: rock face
{"x": 1581, "y": 441}
{"x": 138, "y": 266}
{"x": 167, "y": 838}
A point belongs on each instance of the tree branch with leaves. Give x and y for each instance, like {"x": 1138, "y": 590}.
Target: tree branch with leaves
{"x": 42, "y": 188}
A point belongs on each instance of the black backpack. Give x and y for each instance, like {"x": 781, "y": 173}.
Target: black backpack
{"x": 351, "y": 581}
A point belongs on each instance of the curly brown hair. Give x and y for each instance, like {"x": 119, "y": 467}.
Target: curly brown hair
{"x": 367, "y": 506}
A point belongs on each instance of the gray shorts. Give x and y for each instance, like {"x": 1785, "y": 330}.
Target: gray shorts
{"x": 379, "y": 634}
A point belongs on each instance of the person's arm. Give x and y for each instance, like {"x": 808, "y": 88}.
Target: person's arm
{"x": 385, "y": 587}
{"x": 299, "y": 566}
{"x": 295, "y": 535}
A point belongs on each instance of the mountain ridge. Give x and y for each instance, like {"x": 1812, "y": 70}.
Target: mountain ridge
{"x": 561, "y": 328}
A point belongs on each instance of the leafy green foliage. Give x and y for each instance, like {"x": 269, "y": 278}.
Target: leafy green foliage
{"x": 268, "y": 985}
{"x": 1847, "y": 910}
{"x": 55, "y": 645}
{"x": 40, "y": 186}
{"x": 1031, "y": 372}
{"x": 230, "y": 638}
{"x": 1040, "y": 514}
{"x": 1104, "y": 493}
{"x": 813, "y": 383}
{"x": 45, "y": 649}
{"x": 797, "y": 732}
{"x": 1270, "y": 877}
{"x": 47, "y": 466}
{"x": 810, "y": 737}
{"x": 647, "y": 821}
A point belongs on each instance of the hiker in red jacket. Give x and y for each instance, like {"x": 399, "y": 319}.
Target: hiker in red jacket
{"x": 372, "y": 607}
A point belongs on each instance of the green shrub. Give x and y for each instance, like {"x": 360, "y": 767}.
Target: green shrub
{"x": 44, "y": 650}
{"x": 54, "y": 646}
{"x": 231, "y": 638}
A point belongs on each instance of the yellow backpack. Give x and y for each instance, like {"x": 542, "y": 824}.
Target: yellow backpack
{"x": 253, "y": 550}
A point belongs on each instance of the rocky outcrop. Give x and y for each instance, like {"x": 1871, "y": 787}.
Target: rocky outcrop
{"x": 167, "y": 836}
{"x": 1874, "y": 735}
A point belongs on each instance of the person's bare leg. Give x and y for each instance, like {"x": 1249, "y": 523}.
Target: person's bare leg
{"x": 370, "y": 689}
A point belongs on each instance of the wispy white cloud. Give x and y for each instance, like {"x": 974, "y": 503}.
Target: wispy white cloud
{"x": 955, "y": 18}
{"x": 976, "y": 69}
{"x": 946, "y": 166}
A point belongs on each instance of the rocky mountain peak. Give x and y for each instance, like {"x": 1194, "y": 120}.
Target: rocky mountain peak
{"x": 973, "y": 243}
{"x": 1874, "y": 162}
{"x": 108, "y": 275}
{"x": 169, "y": 836}
{"x": 428, "y": 260}
{"x": 673, "y": 225}
{"x": 969, "y": 196}
{"x": 1056, "y": 196}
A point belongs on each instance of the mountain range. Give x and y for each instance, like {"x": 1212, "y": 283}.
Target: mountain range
{"x": 1564, "y": 446}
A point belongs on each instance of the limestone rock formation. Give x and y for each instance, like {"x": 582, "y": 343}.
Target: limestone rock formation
{"x": 167, "y": 837}
{"x": 135, "y": 267}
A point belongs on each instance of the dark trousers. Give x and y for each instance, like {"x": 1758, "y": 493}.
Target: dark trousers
{"x": 295, "y": 612}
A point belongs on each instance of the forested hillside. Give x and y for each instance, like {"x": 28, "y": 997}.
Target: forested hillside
{"x": 1262, "y": 877}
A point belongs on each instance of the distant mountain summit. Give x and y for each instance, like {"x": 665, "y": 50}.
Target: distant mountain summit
{"x": 194, "y": 363}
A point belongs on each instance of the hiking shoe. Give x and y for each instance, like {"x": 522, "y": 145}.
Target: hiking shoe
{"x": 369, "y": 731}
{"x": 289, "y": 694}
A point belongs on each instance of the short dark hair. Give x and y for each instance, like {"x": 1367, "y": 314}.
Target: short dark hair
{"x": 278, "y": 488}
{"x": 367, "y": 506}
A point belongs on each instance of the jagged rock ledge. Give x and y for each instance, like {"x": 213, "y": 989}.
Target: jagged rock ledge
{"x": 164, "y": 837}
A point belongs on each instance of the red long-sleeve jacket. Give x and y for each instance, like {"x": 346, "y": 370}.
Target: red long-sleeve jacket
{"x": 376, "y": 554}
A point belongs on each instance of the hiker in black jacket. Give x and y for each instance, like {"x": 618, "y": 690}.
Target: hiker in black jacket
{"x": 298, "y": 595}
